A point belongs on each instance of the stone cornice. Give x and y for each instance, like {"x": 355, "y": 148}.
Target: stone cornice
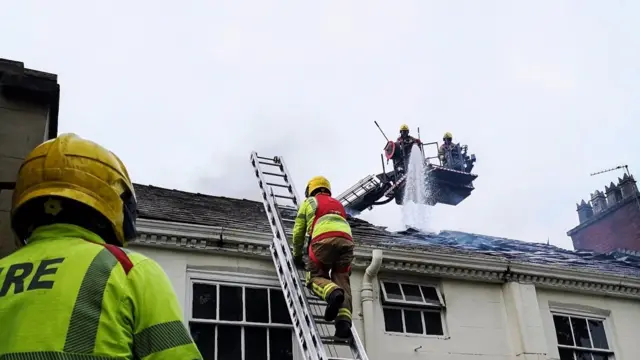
{"x": 474, "y": 267}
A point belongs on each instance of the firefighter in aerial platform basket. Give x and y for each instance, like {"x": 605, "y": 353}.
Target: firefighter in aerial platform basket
{"x": 72, "y": 291}
{"x": 324, "y": 219}
{"x": 405, "y": 137}
{"x": 447, "y": 144}
{"x": 405, "y": 143}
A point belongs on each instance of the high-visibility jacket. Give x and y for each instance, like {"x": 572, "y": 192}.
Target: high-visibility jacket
{"x": 321, "y": 217}
{"x": 68, "y": 295}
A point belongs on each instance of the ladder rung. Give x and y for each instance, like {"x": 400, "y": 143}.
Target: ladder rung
{"x": 316, "y": 302}
{"x": 273, "y": 174}
{"x": 284, "y": 197}
{"x": 268, "y": 163}
{"x": 264, "y": 158}
{"x": 332, "y": 340}
{"x": 335, "y": 358}
{"x": 319, "y": 319}
{"x": 313, "y": 299}
{"x": 278, "y": 185}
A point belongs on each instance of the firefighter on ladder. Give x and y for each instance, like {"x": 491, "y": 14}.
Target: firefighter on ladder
{"x": 72, "y": 291}
{"x": 323, "y": 218}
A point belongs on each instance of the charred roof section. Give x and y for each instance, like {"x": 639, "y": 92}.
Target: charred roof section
{"x": 179, "y": 206}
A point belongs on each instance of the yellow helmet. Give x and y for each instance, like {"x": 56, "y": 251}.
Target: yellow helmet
{"x": 316, "y": 183}
{"x": 404, "y": 127}
{"x": 72, "y": 180}
{"x": 447, "y": 135}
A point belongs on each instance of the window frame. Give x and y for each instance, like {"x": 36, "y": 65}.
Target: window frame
{"x": 421, "y": 304}
{"x": 609, "y": 353}
{"x": 422, "y": 307}
{"x": 238, "y": 280}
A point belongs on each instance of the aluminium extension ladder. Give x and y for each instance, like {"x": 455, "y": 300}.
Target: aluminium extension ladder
{"x": 314, "y": 334}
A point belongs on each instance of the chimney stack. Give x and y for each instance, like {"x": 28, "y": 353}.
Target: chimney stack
{"x": 585, "y": 211}
{"x": 627, "y": 186}
{"x": 613, "y": 194}
{"x": 598, "y": 201}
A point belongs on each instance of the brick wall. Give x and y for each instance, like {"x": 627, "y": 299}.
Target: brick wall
{"x": 619, "y": 229}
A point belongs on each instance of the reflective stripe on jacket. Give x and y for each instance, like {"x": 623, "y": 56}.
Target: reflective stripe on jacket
{"x": 320, "y": 216}
{"x": 68, "y": 295}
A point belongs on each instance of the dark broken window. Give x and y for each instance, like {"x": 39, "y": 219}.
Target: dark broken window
{"x": 581, "y": 338}
{"x": 205, "y": 301}
{"x": 216, "y": 307}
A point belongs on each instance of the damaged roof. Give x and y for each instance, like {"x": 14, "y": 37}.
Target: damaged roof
{"x": 180, "y": 206}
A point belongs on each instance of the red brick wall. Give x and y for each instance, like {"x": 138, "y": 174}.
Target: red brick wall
{"x": 618, "y": 230}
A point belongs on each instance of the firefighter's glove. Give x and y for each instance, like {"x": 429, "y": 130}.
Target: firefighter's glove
{"x": 298, "y": 262}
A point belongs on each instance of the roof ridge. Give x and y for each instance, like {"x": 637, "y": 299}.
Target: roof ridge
{"x": 194, "y": 193}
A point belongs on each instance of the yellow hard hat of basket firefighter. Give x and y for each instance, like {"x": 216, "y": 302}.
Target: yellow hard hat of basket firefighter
{"x": 71, "y": 168}
{"x": 447, "y": 135}
{"x": 316, "y": 183}
{"x": 404, "y": 127}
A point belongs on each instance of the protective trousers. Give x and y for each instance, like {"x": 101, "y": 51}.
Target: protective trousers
{"x": 333, "y": 255}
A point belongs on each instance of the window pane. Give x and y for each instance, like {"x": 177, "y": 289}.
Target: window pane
{"x": 413, "y": 321}
{"x": 280, "y": 344}
{"x": 231, "y": 303}
{"x": 581, "y": 355}
{"x": 204, "y": 301}
{"x": 433, "y": 323}
{"x": 279, "y": 311}
{"x": 597, "y": 334}
{"x": 430, "y": 294}
{"x": 393, "y": 320}
{"x": 255, "y": 343}
{"x": 204, "y": 335}
{"x": 600, "y": 357}
{"x": 412, "y": 293}
{"x": 257, "y": 305}
{"x": 566, "y": 354}
{"x": 229, "y": 343}
{"x": 563, "y": 330}
{"x": 393, "y": 291}
{"x": 580, "y": 332}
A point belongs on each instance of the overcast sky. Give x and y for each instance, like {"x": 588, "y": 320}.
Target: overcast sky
{"x": 544, "y": 93}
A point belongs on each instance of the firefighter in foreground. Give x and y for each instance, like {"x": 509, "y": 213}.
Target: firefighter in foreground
{"x": 73, "y": 292}
{"x": 323, "y": 218}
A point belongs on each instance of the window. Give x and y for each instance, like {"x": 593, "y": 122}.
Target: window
{"x": 231, "y": 321}
{"x": 412, "y": 309}
{"x": 581, "y": 338}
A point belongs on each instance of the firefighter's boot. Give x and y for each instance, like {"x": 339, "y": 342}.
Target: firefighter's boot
{"x": 343, "y": 329}
{"x": 334, "y": 302}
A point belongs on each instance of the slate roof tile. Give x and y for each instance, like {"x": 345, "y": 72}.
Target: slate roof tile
{"x": 180, "y": 206}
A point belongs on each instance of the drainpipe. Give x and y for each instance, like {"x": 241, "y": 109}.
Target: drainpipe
{"x": 366, "y": 298}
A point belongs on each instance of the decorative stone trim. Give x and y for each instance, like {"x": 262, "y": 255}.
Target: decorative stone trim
{"x": 473, "y": 267}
